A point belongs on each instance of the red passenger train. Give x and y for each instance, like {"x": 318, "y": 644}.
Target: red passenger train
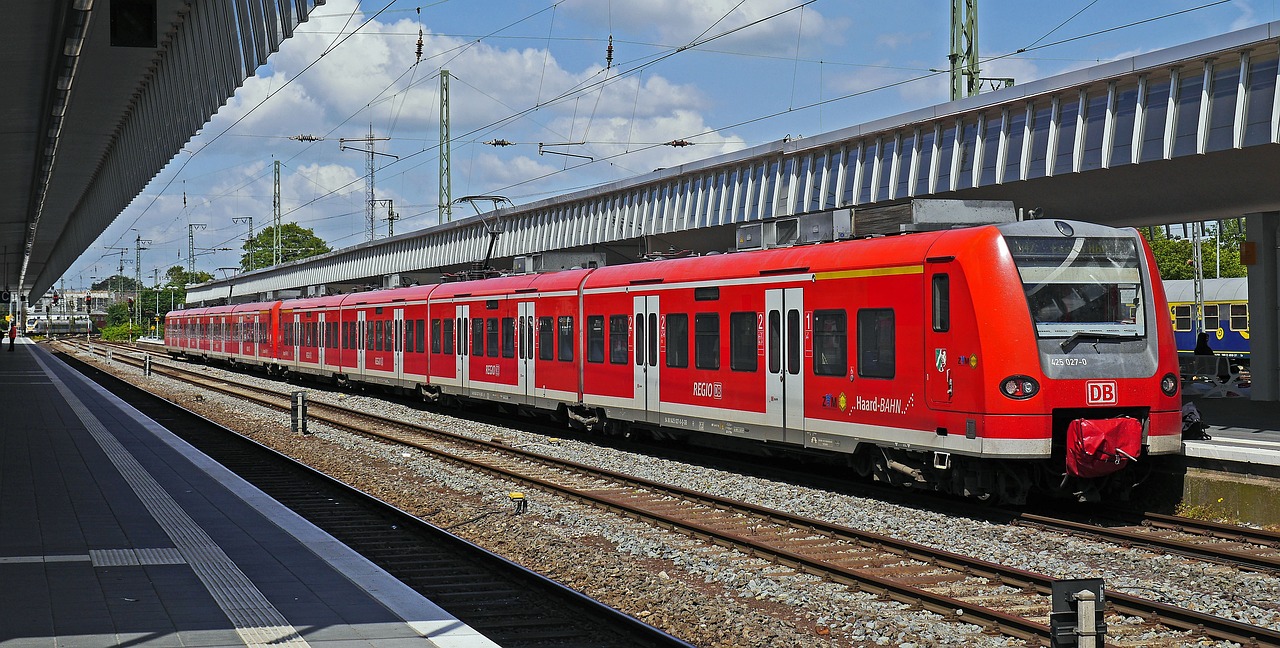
{"x": 987, "y": 361}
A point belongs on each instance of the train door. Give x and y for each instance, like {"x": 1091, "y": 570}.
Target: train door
{"x": 361, "y": 335}
{"x": 462, "y": 314}
{"x": 397, "y": 348}
{"x": 785, "y": 330}
{"x": 251, "y": 349}
{"x": 940, "y": 350}
{"x": 320, "y": 340}
{"x": 524, "y": 346}
{"x": 646, "y": 350}
{"x": 297, "y": 338}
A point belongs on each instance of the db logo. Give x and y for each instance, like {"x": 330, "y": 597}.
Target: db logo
{"x": 1100, "y": 392}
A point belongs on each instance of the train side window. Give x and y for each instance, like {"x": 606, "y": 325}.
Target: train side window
{"x": 435, "y": 335}
{"x": 508, "y": 337}
{"x": 390, "y": 331}
{"x": 491, "y": 331}
{"x": 462, "y": 336}
{"x": 1239, "y": 317}
{"x": 377, "y": 336}
{"x": 618, "y": 339}
{"x": 565, "y": 341}
{"x": 346, "y": 336}
{"x": 706, "y": 341}
{"x": 408, "y": 336}
{"x": 831, "y": 342}
{"x": 446, "y": 336}
{"x": 1182, "y": 317}
{"x": 775, "y": 342}
{"x": 1211, "y": 321}
{"x": 546, "y": 339}
{"x": 678, "y": 340}
{"x": 941, "y": 303}
{"x": 477, "y": 337}
{"x": 595, "y": 338}
{"x": 744, "y": 343}
{"x": 876, "y": 351}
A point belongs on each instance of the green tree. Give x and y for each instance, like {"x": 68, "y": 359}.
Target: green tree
{"x": 296, "y": 242}
{"x": 117, "y": 283}
{"x": 118, "y": 313}
{"x": 1174, "y": 254}
{"x": 178, "y": 277}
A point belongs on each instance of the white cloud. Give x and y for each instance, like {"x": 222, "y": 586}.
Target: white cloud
{"x": 679, "y": 22}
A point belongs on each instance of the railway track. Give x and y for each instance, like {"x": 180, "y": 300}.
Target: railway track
{"x": 1006, "y": 600}
{"x": 503, "y": 601}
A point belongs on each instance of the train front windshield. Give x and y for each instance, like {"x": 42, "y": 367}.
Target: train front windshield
{"x": 1081, "y": 286}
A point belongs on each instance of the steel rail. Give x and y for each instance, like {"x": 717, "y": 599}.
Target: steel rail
{"x": 1155, "y": 612}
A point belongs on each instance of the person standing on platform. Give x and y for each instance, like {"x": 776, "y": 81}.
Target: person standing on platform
{"x": 1202, "y": 345}
{"x": 13, "y": 333}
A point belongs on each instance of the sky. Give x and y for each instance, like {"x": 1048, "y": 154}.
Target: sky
{"x": 720, "y": 74}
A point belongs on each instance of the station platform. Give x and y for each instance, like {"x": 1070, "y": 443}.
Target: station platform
{"x": 114, "y": 532}
{"x": 1240, "y": 431}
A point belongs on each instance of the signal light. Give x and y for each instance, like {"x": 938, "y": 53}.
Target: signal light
{"x": 1019, "y": 387}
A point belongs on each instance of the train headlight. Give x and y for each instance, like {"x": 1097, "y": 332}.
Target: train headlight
{"x": 1019, "y": 387}
{"x": 1169, "y": 384}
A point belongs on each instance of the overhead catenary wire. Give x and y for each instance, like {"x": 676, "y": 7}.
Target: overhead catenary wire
{"x": 1034, "y": 46}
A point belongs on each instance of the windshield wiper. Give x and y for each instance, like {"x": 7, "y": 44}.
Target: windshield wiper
{"x": 1075, "y": 337}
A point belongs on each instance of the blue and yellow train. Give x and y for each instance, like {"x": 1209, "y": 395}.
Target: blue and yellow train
{"x": 1226, "y": 315}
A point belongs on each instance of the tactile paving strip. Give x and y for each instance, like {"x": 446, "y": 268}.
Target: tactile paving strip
{"x": 256, "y": 620}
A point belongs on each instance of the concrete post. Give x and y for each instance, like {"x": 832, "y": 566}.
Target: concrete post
{"x": 1086, "y": 628}
{"x": 1262, "y": 230}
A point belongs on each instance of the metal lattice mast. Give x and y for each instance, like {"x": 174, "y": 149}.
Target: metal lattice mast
{"x": 241, "y": 219}
{"x": 275, "y": 220}
{"x": 137, "y": 273}
{"x": 371, "y": 220}
{"x": 964, "y": 49}
{"x": 191, "y": 249}
{"x": 446, "y": 183}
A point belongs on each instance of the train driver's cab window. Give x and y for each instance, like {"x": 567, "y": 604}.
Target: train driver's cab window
{"x": 941, "y": 303}
{"x": 1182, "y": 317}
{"x": 678, "y": 340}
{"x": 876, "y": 352}
{"x": 831, "y": 342}
{"x": 1239, "y": 317}
{"x": 546, "y": 338}
{"x": 706, "y": 341}
{"x": 1081, "y": 286}
{"x": 744, "y": 342}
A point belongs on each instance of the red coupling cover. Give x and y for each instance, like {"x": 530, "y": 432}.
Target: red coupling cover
{"x": 1098, "y": 447}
